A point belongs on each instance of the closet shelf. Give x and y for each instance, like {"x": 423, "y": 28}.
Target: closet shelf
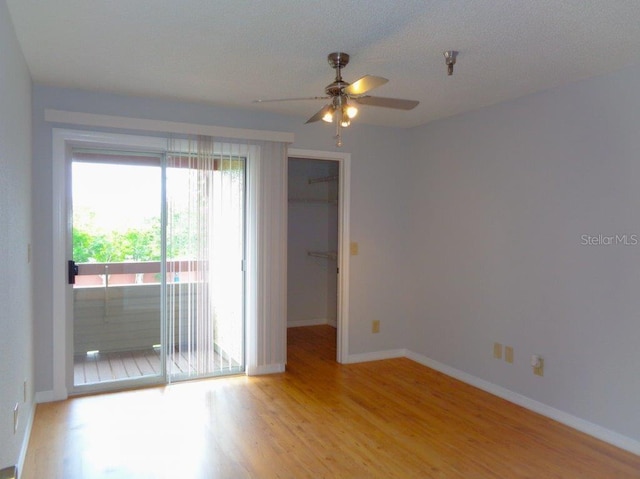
{"x": 323, "y": 179}
{"x": 332, "y": 255}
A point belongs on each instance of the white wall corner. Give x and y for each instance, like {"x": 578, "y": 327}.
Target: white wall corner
{"x": 599, "y": 432}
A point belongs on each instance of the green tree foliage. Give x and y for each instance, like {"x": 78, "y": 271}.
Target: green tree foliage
{"x": 92, "y": 245}
{"x": 134, "y": 244}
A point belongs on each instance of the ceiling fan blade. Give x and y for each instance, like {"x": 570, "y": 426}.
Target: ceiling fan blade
{"x": 318, "y": 116}
{"x": 396, "y": 103}
{"x": 364, "y": 84}
{"x": 293, "y": 99}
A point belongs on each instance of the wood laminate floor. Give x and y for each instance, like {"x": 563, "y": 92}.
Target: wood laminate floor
{"x": 383, "y": 419}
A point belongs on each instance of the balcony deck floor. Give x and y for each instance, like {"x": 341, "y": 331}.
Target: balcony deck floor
{"x": 114, "y": 366}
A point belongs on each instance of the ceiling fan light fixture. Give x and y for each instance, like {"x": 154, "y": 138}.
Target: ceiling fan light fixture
{"x": 328, "y": 116}
{"x": 351, "y": 111}
{"x": 344, "y": 96}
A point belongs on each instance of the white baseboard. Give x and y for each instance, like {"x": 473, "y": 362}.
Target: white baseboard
{"x": 266, "y": 369}
{"x": 25, "y": 440}
{"x": 375, "y": 356}
{"x": 308, "y": 322}
{"x": 45, "y": 396}
{"x": 599, "y": 432}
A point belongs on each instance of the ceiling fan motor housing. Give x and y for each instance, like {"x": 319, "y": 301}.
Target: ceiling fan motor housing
{"x": 337, "y": 60}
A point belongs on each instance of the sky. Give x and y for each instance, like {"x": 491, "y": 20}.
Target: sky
{"x": 122, "y": 196}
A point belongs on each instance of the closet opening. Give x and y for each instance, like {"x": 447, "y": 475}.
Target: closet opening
{"x": 313, "y": 253}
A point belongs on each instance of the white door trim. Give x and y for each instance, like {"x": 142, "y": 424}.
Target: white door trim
{"x": 344, "y": 185}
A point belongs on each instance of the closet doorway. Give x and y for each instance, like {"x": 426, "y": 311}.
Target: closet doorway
{"x": 313, "y": 243}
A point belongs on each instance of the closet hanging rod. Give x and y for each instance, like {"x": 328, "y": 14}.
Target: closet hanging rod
{"x": 323, "y": 254}
{"x": 324, "y": 179}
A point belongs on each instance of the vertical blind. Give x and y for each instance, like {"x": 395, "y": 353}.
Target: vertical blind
{"x": 205, "y": 191}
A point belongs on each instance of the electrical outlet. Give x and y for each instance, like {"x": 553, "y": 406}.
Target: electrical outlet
{"x": 539, "y": 371}
{"x": 497, "y": 350}
{"x": 508, "y": 354}
{"x": 375, "y": 326}
{"x": 16, "y": 410}
{"x": 353, "y": 247}
{"x": 537, "y": 363}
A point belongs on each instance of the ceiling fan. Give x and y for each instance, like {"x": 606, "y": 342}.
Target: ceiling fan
{"x": 345, "y": 96}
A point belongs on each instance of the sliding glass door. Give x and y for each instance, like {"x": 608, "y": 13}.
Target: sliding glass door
{"x": 117, "y": 250}
{"x": 158, "y": 248}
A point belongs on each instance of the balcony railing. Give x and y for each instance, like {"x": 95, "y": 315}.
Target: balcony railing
{"x": 133, "y": 272}
{"x": 117, "y": 306}
{"x": 117, "y": 311}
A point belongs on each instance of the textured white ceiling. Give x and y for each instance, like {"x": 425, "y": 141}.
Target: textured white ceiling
{"x": 230, "y": 52}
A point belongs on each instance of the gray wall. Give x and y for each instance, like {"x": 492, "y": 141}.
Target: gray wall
{"x": 501, "y": 199}
{"x": 378, "y": 160}
{"x": 16, "y": 319}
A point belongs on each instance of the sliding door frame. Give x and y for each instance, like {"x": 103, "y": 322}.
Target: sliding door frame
{"x": 139, "y": 380}
{"x": 63, "y": 141}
